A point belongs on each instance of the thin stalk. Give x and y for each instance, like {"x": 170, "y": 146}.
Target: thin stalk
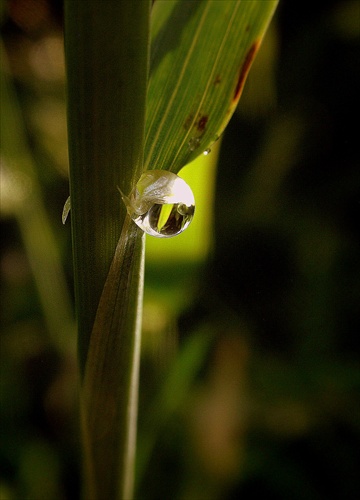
{"x": 110, "y": 388}
{"x": 22, "y": 192}
{"x": 106, "y": 46}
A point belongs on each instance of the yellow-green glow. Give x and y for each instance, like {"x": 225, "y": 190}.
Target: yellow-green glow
{"x": 164, "y": 215}
{"x": 194, "y": 244}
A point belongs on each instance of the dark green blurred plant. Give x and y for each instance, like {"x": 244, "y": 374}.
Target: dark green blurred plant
{"x": 259, "y": 397}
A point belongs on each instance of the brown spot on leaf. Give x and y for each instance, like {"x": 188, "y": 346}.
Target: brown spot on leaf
{"x": 217, "y": 80}
{"x": 245, "y": 69}
{"x": 201, "y": 124}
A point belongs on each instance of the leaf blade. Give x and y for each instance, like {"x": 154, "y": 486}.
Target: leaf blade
{"x": 110, "y": 386}
{"x": 200, "y": 59}
{"x": 107, "y": 66}
{"x": 106, "y": 91}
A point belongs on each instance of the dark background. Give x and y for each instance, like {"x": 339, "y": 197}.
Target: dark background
{"x": 272, "y": 405}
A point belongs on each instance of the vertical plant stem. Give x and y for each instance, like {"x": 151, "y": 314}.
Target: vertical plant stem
{"x": 25, "y": 197}
{"x": 106, "y": 44}
{"x": 110, "y": 388}
{"x": 107, "y": 61}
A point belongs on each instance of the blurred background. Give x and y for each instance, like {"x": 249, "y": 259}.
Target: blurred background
{"x": 250, "y": 371}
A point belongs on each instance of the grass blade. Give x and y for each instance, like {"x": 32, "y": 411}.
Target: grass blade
{"x": 106, "y": 47}
{"x": 21, "y": 190}
{"x": 107, "y": 62}
{"x": 201, "y": 54}
{"x": 111, "y": 377}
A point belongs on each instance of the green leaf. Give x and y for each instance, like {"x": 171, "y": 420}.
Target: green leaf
{"x": 106, "y": 47}
{"x": 201, "y": 54}
{"x": 110, "y": 386}
{"x": 107, "y": 63}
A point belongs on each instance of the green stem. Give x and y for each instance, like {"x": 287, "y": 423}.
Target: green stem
{"x": 26, "y": 199}
{"x": 106, "y": 46}
{"x": 110, "y": 386}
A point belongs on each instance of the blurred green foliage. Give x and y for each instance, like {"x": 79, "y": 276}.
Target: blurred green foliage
{"x": 250, "y": 373}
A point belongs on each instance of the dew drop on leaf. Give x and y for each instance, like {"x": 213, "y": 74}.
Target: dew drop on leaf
{"x": 161, "y": 204}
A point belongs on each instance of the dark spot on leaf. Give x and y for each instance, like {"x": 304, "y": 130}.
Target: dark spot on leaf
{"x": 245, "y": 70}
{"x": 201, "y": 124}
{"x": 217, "y": 80}
{"x": 247, "y": 28}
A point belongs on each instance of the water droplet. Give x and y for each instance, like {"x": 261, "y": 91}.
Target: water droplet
{"x": 207, "y": 151}
{"x": 194, "y": 143}
{"x": 161, "y": 204}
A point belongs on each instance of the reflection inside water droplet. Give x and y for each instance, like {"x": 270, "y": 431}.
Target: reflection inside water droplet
{"x": 164, "y": 221}
{"x": 207, "y": 151}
